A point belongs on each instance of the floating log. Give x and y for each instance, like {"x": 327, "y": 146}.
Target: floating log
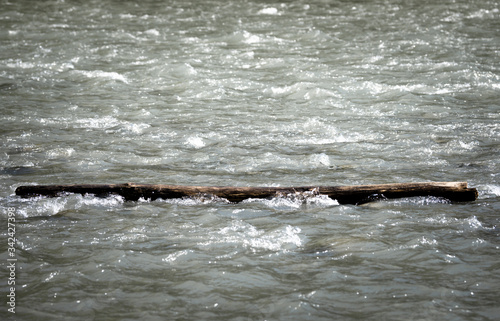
{"x": 358, "y": 194}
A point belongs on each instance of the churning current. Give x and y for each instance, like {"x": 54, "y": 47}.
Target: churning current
{"x": 249, "y": 93}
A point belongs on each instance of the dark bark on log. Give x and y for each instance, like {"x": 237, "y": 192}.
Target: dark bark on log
{"x": 359, "y": 194}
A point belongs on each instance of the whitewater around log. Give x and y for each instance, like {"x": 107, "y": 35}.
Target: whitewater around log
{"x": 250, "y": 93}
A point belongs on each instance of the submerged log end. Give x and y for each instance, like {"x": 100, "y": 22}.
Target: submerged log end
{"x": 453, "y": 191}
{"x": 33, "y": 190}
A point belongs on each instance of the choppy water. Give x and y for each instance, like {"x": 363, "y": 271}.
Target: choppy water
{"x": 250, "y": 93}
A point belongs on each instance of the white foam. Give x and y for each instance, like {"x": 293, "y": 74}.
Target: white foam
{"x": 133, "y": 235}
{"x": 269, "y": 11}
{"x": 60, "y": 153}
{"x": 281, "y": 239}
{"x": 192, "y": 201}
{"x": 152, "y": 32}
{"x": 474, "y": 223}
{"x": 90, "y": 200}
{"x": 195, "y": 142}
{"x": 244, "y": 234}
{"x": 103, "y": 75}
{"x": 493, "y": 189}
{"x": 43, "y": 206}
{"x": 135, "y": 128}
{"x": 296, "y": 200}
{"x": 470, "y": 223}
{"x": 101, "y": 122}
{"x": 424, "y": 241}
{"x": 249, "y": 38}
{"x": 244, "y": 37}
{"x": 174, "y": 256}
{"x": 321, "y": 201}
{"x": 320, "y": 159}
{"x": 467, "y": 145}
{"x": 21, "y": 64}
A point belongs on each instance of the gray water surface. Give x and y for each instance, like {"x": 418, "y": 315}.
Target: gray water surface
{"x": 250, "y": 93}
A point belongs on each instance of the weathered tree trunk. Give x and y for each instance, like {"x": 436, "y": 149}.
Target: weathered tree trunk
{"x": 359, "y": 194}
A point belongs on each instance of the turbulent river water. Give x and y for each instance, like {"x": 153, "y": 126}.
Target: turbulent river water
{"x": 249, "y": 93}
